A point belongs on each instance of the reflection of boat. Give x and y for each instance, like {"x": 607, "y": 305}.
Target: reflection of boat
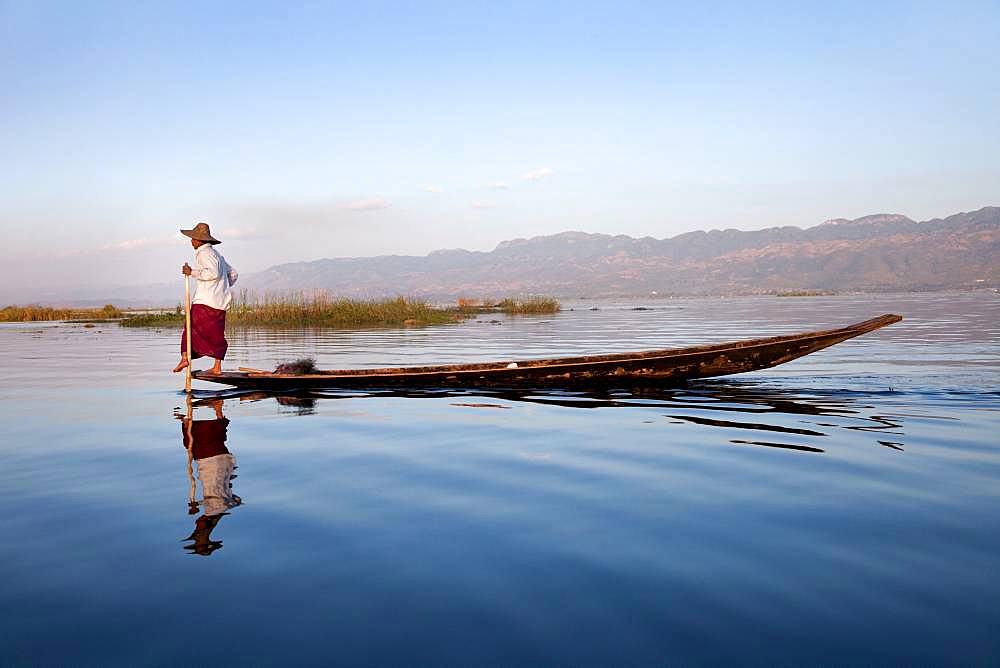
{"x": 729, "y": 408}
{"x": 654, "y": 366}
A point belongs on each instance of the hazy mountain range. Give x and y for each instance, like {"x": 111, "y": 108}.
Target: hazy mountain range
{"x": 875, "y": 253}
{"x": 881, "y": 252}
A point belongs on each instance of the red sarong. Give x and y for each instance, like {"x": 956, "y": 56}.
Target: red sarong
{"x": 208, "y": 333}
{"x": 209, "y": 437}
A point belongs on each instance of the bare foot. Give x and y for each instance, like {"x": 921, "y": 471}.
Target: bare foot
{"x": 214, "y": 371}
{"x": 181, "y": 365}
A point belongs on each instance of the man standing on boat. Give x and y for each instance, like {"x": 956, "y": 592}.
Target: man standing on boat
{"x": 213, "y": 294}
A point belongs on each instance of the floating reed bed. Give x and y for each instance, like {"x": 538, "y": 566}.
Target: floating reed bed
{"x": 801, "y": 293}
{"x": 173, "y": 318}
{"x": 315, "y": 310}
{"x": 320, "y": 310}
{"x": 529, "y": 306}
{"x": 36, "y": 313}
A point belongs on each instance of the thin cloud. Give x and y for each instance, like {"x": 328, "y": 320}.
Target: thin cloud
{"x": 498, "y": 185}
{"x": 481, "y": 204}
{"x": 434, "y": 189}
{"x": 538, "y": 174}
{"x": 366, "y": 204}
{"x": 241, "y": 234}
{"x": 137, "y": 244}
{"x": 272, "y": 219}
{"x": 145, "y": 243}
{"x": 128, "y": 245}
{"x": 74, "y": 252}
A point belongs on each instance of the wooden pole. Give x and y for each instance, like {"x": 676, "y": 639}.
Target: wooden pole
{"x": 187, "y": 331}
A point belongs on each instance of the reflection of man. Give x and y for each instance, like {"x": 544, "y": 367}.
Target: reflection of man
{"x": 216, "y": 470}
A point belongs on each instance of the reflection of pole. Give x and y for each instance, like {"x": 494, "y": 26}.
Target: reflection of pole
{"x": 193, "y": 492}
{"x": 187, "y": 334}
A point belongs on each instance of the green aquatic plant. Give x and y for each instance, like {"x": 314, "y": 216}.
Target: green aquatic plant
{"x": 529, "y": 306}
{"x": 37, "y": 313}
{"x": 321, "y": 310}
{"x": 163, "y": 319}
{"x": 314, "y": 310}
{"x": 802, "y": 293}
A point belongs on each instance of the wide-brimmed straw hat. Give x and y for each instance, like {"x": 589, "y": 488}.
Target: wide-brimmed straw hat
{"x": 201, "y": 233}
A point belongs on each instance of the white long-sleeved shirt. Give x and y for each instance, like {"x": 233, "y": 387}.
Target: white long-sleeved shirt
{"x": 216, "y": 474}
{"x": 215, "y": 278}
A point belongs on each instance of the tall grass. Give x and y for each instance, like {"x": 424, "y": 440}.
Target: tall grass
{"x": 801, "y": 293}
{"x": 529, "y": 306}
{"x": 36, "y": 313}
{"x": 314, "y": 310}
{"x": 320, "y": 310}
{"x": 163, "y": 319}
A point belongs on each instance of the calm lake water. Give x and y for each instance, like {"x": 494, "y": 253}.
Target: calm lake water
{"x": 843, "y": 508}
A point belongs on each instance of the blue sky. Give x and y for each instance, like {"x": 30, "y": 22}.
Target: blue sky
{"x": 321, "y": 129}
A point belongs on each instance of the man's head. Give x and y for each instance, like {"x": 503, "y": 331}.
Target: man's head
{"x": 200, "y": 234}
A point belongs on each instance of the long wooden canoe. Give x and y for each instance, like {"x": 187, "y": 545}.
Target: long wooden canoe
{"x": 667, "y": 366}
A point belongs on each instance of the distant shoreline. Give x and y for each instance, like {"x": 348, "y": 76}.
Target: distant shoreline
{"x": 87, "y": 305}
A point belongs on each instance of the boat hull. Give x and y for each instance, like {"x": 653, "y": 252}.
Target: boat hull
{"x": 669, "y": 366}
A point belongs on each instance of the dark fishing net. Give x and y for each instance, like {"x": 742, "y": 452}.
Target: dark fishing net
{"x": 301, "y": 366}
